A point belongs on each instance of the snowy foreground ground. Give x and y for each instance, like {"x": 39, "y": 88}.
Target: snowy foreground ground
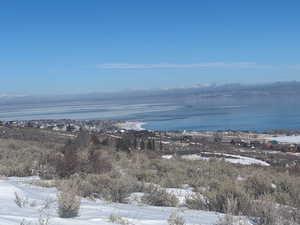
{"x": 91, "y": 213}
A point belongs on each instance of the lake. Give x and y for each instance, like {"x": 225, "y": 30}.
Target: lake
{"x": 221, "y": 113}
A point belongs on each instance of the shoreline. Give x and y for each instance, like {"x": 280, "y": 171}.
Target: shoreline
{"x": 138, "y": 126}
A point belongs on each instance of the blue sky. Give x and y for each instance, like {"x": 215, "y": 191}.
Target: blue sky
{"x": 50, "y": 47}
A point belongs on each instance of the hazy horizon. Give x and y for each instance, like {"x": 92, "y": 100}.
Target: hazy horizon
{"x": 145, "y": 90}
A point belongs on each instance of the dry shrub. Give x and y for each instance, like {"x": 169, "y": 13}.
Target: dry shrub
{"x": 68, "y": 202}
{"x": 196, "y": 201}
{"x": 140, "y": 167}
{"x": 266, "y": 212}
{"x": 159, "y": 197}
{"x": 43, "y": 183}
{"x": 119, "y": 220}
{"x": 47, "y": 172}
{"x": 175, "y": 219}
{"x": 231, "y": 220}
{"x": 21, "y": 158}
{"x": 287, "y": 190}
{"x": 111, "y": 187}
{"x": 259, "y": 184}
{"x": 202, "y": 173}
{"x": 76, "y": 183}
{"x": 93, "y": 185}
{"x": 44, "y": 218}
{"x": 165, "y": 173}
{"x": 171, "y": 173}
{"x": 24, "y": 222}
{"x": 175, "y": 178}
{"x": 224, "y": 197}
{"x": 100, "y": 162}
{"x": 20, "y": 165}
{"x": 147, "y": 175}
{"x": 20, "y": 200}
{"x": 117, "y": 190}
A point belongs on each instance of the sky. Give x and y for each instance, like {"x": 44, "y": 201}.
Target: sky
{"x": 72, "y": 46}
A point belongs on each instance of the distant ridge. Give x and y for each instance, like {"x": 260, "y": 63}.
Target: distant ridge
{"x": 213, "y": 90}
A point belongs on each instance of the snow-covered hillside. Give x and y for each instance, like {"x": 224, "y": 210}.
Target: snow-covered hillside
{"x": 91, "y": 213}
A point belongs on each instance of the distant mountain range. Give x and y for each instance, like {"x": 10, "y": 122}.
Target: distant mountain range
{"x": 168, "y": 94}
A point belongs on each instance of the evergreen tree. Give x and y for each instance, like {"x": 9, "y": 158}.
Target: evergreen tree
{"x": 123, "y": 144}
{"x": 135, "y": 144}
{"x": 69, "y": 164}
{"x": 149, "y": 145}
{"x": 142, "y": 144}
{"x": 153, "y": 144}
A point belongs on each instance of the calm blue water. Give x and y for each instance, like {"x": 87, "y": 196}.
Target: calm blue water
{"x": 244, "y": 113}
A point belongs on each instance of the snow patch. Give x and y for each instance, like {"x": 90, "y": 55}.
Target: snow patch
{"x": 235, "y": 159}
{"x": 138, "y": 126}
{"x": 167, "y": 156}
{"x": 286, "y": 139}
